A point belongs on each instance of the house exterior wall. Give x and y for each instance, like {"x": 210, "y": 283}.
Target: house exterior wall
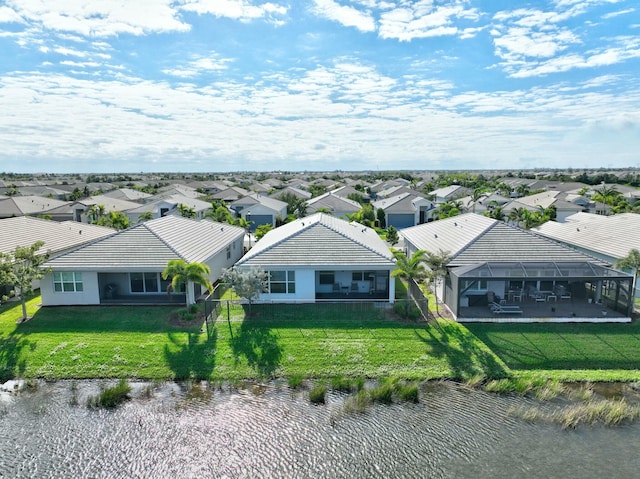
{"x": 89, "y": 295}
{"x": 220, "y": 261}
{"x": 305, "y": 288}
{"x": 401, "y": 220}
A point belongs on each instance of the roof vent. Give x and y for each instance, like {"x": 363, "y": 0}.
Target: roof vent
{"x": 455, "y": 224}
{"x": 578, "y": 229}
{"x": 435, "y": 236}
{"x": 222, "y": 229}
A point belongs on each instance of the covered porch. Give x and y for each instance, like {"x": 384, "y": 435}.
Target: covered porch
{"x": 136, "y": 288}
{"x": 552, "y": 291}
{"x": 361, "y": 285}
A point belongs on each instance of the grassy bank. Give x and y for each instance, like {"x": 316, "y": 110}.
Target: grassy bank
{"x": 86, "y": 342}
{"x": 321, "y": 341}
{"x": 567, "y": 352}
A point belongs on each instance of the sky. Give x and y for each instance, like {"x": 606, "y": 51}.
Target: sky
{"x": 115, "y": 86}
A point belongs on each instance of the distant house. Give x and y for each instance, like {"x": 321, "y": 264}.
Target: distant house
{"x": 28, "y": 206}
{"x": 230, "y": 194}
{"x": 321, "y": 257}
{"x": 333, "y": 204}
{"x": 128, "y": 194}
{"x": 126, "y": 267}
{"x": 539, "y": 279}
{"x": 405, "y": 210}
{"x": 259, "y": 210}
{"x": 290, "y": 190}
{"x": 448, "y": 193}
{"x": 79, "y": 210}
{"x": 168, "y": 206}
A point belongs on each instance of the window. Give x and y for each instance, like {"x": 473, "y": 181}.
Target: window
{"x": 476, "y": 285}
{"x": 326, "y": 277}
{"x": 362, "y": 275}
{"x": 147, "y": 283}
{"x": 67, "y": 282}
{"x": 282, "y": 282}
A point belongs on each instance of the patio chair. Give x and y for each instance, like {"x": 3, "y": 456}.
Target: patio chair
{"x": 354, "y": 287}
{"x": 336, "y": 287}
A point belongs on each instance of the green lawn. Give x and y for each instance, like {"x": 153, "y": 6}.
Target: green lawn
{"x": 315, "y": 341}
{"x": 305, "y": 340}
{"x": 566, "y": 351}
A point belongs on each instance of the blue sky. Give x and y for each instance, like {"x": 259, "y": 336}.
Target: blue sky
{"x": 318, "y": 85}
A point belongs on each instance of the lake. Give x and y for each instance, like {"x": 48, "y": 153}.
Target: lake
{"x": 262, "y": 431}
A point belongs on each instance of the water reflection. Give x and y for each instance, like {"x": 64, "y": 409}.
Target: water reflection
{"x": 186, "y": 430}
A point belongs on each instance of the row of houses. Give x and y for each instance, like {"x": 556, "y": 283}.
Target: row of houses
{"x": 325, "y": 258}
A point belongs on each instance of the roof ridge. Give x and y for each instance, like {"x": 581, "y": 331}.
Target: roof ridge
{"x": 479, "y": 235}
{"x": 353, "y": 238}
{"x": 146, "y": 226}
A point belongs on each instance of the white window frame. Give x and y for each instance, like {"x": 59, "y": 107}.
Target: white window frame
{"x": 289, "y": 281}
{"x": 60, "y": 281}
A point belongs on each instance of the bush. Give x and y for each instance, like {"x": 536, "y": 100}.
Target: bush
{"x": 383, "y": 393}
{"x": 346, "y": 385}
{"x": 317, "y": 394}
{"x": 111, "y": 397}
{"x": 295, "y": 381}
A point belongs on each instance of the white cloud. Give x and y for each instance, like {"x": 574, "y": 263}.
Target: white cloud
{"x": 345, "y": 15}
{"x": 8, "y": 15}
{"x": 241, "y": 10}
{"x": 423, "y": 20}
{"x": 198, "y": 65}
{"x": 101, "y": 19}
{"x": 618, "y": 13}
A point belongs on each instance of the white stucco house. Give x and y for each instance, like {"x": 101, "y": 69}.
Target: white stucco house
{"x": 321, "y": 257}
{"x": 126, "y": 267}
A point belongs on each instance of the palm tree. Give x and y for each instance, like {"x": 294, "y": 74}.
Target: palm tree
{"x": 183, "y": 273}
{"x": 409, "y": 269}
{"x": 475, "y": 197}
{"x": 631, "y": 262}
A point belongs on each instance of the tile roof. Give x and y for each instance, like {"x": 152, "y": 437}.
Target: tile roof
{"x": 27, "y": 205}
{"x": 613, "y": 236}
{"x": 320, "y": 240}
{"x": 151, "y": 245}
{"x": 473, "y": 239}
{"x": 332, "y": 203}
{"x": 57, "y": 236}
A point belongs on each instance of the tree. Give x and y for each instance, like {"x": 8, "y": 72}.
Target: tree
{"x": 115, "y": 219}
{"x": 95, "y": 212}
{"x": 409, "y": 269}
{"x": 186, "y": 212}
{"x": 475, "y": 197}
{"x": 20, "y": 269}
{"x": 146, "y": 216}
{"x": 247, "y": 283}
{"x": 630, "y": 262}
{"x": 183, "y": 273}
{"x": 381, "y": 216}
{"x": 262, "y": 230}
{"x": 437, "y": 264}
{"x": 392, "y": 236}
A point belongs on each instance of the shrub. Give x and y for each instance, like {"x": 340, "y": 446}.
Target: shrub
{"x": 347, "y": 385}
{"x": 317, "y": 394}
{"x": 382, "y": 393}
{"x": 295, "y": 381}
{"x": 111, "y": 397}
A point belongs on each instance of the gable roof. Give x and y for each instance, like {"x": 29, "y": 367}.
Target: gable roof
{"x": 57, "y": 236}
{"x": 613, "y": 236}
{"x": 473, "y": 239}
{"x": 27, "y": 205}
{"x": 253, "y": 199}
{"x": 332, "y": 203}
{"x": 320, "y": 240}
{"x": 402, "y": 203}
{"x": 151, "y": 245}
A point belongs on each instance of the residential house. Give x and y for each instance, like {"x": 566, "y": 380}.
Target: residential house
{"x": 28, "y": 206}
{"x": 230, "y": 194}
{"x": 448, "y": 193}
{"x": 493, "y": 264}
{"x": 608, "y": 238}
{"x": 321, "y": 257}
{"x": 126, "y": 267}
{"x": 259, "y": 210}
{"x": 405, "y": 210}
{"x": 290, "y": 190}
{"x": 333, "y": 204}
{"x": 128, "y": 194}
{"x": 168, "y": 206}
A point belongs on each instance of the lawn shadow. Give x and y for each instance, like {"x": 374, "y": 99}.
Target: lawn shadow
{"x": 462, "y": 350}
{"x": 259, "y": 345}
{"x": 194, "y": 359}
{"x": 11, "y": 363}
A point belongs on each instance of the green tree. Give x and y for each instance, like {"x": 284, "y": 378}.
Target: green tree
{"x": 262, "y": 230}
{"x": 20, "y": 269}
{"x": 115, "y": 219}
{"x": 186, "y": 212}
{"x": 247, "y": 283}
{"x": 392, "y": 236}
{"x": 95, "y": 212}
{"x": 437, "y": 264}
{"x": 381, "y": 217}
{"x": 184, "y": 274}
{"x": 146, "y": 216}
{"x": 630, "y": 262}
{"x": 410, "y": 269}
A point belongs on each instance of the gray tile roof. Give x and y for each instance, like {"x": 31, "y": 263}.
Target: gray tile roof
{"x": 151, "y": 245}
{"x": 473, "y": 239}
{"x": 320, "y": 240}
{"x": 57, "y": 237}
{"x": 332, "y": 203}
{"x": 613, "y": 236}
{"x": 27, "y": 205}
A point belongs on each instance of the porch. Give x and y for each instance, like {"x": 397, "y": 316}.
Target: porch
{"x": 354, "y": 285}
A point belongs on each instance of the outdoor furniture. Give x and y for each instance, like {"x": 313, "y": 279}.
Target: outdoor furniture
{"x": 552, "y": 296}
{"x": 497, "y": 308}
{"x": 354, "y": 287}
{"x": 336, "y": 287}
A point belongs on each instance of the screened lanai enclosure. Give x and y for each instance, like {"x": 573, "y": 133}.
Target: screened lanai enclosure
{"x": 539, "y": 290}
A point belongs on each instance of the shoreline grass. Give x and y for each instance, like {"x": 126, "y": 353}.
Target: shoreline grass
{"x": 324, "y": 342}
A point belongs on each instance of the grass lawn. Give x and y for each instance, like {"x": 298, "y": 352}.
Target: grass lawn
{"x": 566, "y": 351}
{"x": 313, "y": 341}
